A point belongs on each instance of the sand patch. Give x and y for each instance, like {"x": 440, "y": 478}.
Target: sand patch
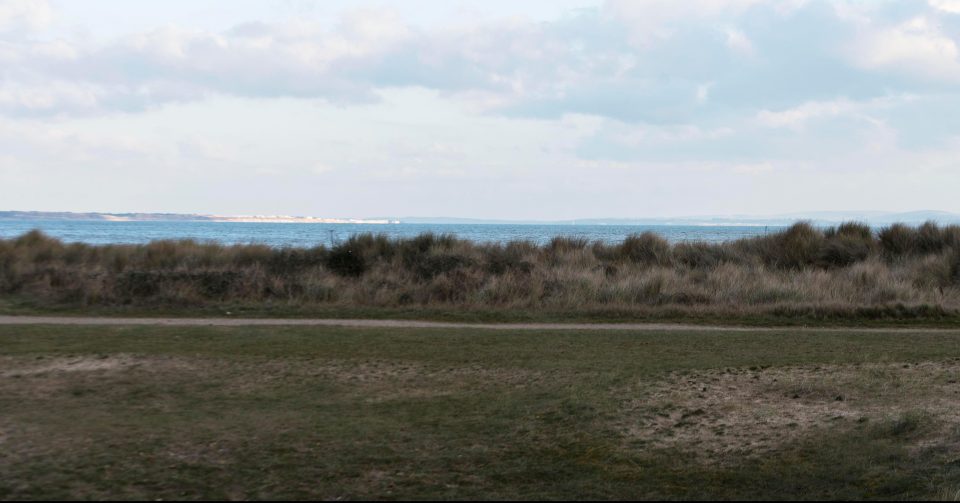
{"x": 21, "y": 367}
{"x": 750, "y": 411}
{"x": 67, "y": 365}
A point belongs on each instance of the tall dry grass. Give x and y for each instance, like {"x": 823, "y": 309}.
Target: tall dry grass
{"x": 844, "y": 271}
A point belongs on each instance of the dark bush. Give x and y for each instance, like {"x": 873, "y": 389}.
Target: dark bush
{"x": 647, "y": 248}
{"x": 510, "y": 258}
{"x": 34, "y": 239}
{"x": 932, "y": 239}
{"x": 215, "y": 284}
{"x": 562, "y": 244}
{"x": 373, "y": 247}
{"x": 165, "y": 254}
{"x": 794, "y": 248}
{"x": 897, "y": 240}
{"x": 139, "y": 284}
{"x": 841, "y": 250}
{"x": 291, "y": 260}
{"x": 412, "y": 251}
{"x": 701, "y": 255}
{"x": 953, "y": 266}
{"x": 345, "y": 261}
{"x": 430, "y": 266}
{"x": 850, "y": 229}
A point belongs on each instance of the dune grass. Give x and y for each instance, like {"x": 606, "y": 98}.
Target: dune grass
{"x": 337, "y": 413}
{"x": 803, "y": 273}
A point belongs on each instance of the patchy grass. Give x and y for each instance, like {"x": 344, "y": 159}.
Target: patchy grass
{"x": 317, "y": 413}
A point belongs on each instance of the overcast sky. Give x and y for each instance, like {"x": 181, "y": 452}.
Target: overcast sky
{"x": 526, "y": 109}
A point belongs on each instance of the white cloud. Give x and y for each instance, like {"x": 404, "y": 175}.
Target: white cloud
{"x": 951, "y": 6}
{"x": 24, "y": 14}
{"x": 739, "y": 42}
{"x": 703, "y": 92}
{"x": 49, "y": 97}
{"x": 647, "y": 135}
{"x": 651, "y": 21}
{"x": 798, "y": 116}
{"x": 586, "y": 63}
{"x": 917, "y": 46}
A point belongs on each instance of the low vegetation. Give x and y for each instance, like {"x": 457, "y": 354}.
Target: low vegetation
{"x": 803, "y": 272}
{"x": 175, "y": 413}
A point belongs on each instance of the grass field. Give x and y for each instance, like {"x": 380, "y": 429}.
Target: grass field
{"x": 326, "y": 413}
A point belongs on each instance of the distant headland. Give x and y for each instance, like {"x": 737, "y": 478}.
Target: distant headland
{"x": 179, "y": 217}
{"x": 875, "y": 218}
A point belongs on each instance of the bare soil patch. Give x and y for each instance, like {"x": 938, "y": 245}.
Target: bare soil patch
{"x": 19, "y": 367}
{"x": 752, "y": 411}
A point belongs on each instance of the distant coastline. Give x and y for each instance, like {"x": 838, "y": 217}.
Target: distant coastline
{"x": 178, "y": 217}
{"x": 875, "y": 218}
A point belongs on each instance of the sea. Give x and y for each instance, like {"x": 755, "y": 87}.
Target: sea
{"x": 313, "y": 234}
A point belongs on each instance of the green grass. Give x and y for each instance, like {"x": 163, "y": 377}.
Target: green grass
{"x": 204, "y": 412}
{"x": 877, "y": 317}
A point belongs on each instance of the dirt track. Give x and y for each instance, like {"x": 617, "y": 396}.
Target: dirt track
{"x": 240, "y": 322}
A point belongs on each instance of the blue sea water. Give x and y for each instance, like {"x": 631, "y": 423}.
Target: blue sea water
{"x": 312, "y": 234}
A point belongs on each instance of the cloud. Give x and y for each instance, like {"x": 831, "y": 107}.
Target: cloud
{"x": 654, "y": 61}
{"x": 651, "y": 20}
{"x": 24, "y": 15}
{"x": 739, "y": 42}
{"x": 918, "y": 46}
{"x": 951, "y": 6}
{"x": 798, "y": 116}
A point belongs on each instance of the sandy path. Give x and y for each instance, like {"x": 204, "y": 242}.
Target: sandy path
{"x": 270, "y": 322}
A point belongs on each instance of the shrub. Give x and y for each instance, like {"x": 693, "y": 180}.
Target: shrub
{"x": 953, "y": 266}
{"x": 701, "y": 255}
{"x": 842, "y": 250}
{"x": 794, "y": 248}
{"x": 647, "y": 249}
{"x": 510, "y": 258}
{"x": 34, "y": 239}
{"x": 373, "y": 247}
{"x": 897, "y": 240}
{"x": 135, "y": 284}
{"x": 291, "y": 260}
{"x": 850, "y": 229}
{"x": 413, "y": 250}
{"x": 430, "y": 266}
{"x": 561, "y": 244}
{"x": 345, "y": 261}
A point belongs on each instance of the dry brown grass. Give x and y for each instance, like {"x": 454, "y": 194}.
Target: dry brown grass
{"x": 845, "y": 271}
{"x": 752, "y": 411}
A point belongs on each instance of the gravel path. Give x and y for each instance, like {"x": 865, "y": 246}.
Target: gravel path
{"x": 270, "y": 322}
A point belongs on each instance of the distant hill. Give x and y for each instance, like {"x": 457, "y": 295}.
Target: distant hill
{"x": 177, "y": 217}
{"x": 107, "y": 217}
{"x": 821, "y": 217}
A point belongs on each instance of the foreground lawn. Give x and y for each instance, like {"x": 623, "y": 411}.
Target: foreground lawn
{"x": 324, "y": 413}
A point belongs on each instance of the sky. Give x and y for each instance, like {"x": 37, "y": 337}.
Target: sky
{"x": 558, "y": 109}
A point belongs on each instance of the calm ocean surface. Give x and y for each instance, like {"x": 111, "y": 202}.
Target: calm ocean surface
{"x": 305, "y": 235}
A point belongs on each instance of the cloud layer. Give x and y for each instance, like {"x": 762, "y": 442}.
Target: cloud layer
{"x": 752, "y": 88}
{"x": 657, "y": 61}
